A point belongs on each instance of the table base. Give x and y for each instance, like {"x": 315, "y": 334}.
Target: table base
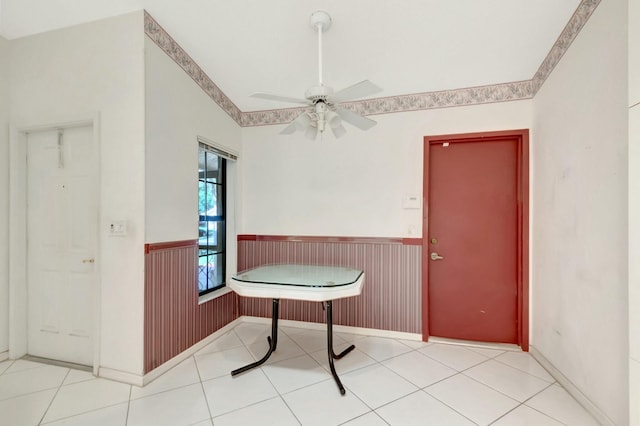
{"x": 273, "y": 343}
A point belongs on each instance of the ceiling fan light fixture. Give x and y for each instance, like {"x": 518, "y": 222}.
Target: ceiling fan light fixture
{"x": 333, "y": 119}
{"x": 323, "y": 104}
{"x": 311, "y": 132}
{"x": 303, "y": 121}
{"x": 338, "y": 131}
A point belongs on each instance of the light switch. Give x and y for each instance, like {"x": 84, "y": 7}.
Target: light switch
{"x": 411, "y": 202}
{"x": 118, "y": 228}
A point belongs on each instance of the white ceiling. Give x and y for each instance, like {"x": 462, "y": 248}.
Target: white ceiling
{"x": 404, "y": 46}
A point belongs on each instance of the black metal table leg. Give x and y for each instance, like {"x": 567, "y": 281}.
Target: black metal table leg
{"x": 332, "y": 355}
{"x": 273, "y": 340}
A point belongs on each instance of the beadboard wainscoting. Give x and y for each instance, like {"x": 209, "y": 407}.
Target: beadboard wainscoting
{"x": 391, "y": 296}
{"x": 173, "y": 319}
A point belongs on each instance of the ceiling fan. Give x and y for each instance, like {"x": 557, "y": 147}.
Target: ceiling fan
{"x": 325, "y": 110}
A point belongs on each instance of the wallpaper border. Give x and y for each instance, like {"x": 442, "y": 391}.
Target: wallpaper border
{"x": 421, "y": 101}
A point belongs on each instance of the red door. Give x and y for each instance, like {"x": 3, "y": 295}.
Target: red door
{"x": 472, "y": 252}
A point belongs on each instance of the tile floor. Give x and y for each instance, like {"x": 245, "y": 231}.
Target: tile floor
{"x": 388, "y": 382}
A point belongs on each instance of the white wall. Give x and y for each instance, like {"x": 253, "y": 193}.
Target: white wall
{"x": 634, "y": 212}
{"x": 4, "y": 196}
{"x": 579, "y": 287}
{"x": 353, "y": 186}
{"x": 177, "y": 112}
{"x": 73, "y": 74}
{"x": 634, "y": 267}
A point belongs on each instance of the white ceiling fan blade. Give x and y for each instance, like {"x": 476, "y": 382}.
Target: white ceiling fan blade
{"x": 291, "y": 128}
{"x": 356, "y": 119}
{"x": 359, "y": 90}
{"x": 279, "y": 98}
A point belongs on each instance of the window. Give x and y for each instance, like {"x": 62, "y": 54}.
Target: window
{"x": 212, "y": 187}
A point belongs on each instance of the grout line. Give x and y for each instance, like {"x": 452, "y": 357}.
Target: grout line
{"x": 507, "y": 413}
{"x": 309, "y": 354}
{"x": 167, "y": 390}
{"x": 284, "y": 401}
{"x": 54, "y": 396}
{"x": 126, "y": 417}
{"x": 84, "y": 412}
{"x": 397, "y": 399}
{"x": 553, "y": 380}
{"x": 206, "y": 400}
{"x": 235, "y": 410}
{"x": 447, "y": 405}
{"x": 278, "y": 394}
{"x": 362, "y": 415}
{"x": 374, "y": 364}
{"x": 542, "y": 412}
{"x": 453, "y": 368}
{"x": 494, "y": 389}
{"x": 11, "y": 362}
{"x": 79, "y": 413}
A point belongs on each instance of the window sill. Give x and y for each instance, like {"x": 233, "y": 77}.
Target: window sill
{"x": 213, "y": 295}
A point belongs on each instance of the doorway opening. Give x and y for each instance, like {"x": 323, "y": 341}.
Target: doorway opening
{"x": 476, "y": 237}
{"x": 54, "y": 216}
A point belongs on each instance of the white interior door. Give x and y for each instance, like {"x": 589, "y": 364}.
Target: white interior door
{"x": 61, "y": 244}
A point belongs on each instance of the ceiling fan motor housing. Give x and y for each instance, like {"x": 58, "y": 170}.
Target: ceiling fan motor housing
{"x": 318, "y": 93}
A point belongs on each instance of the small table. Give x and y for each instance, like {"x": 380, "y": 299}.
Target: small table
{"x": 299, "y": 282}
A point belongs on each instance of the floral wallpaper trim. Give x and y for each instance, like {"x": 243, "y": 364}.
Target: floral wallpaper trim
{"x": 571, "y": 30}
{"x": 421, "y": 101}
{"x": 160, "y": 37}
{"x": 414, "y": 102}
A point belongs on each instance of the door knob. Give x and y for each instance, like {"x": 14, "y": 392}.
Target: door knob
{"x": 436, "y": 256}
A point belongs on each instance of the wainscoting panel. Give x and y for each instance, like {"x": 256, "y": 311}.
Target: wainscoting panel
{"x": 391, "y": 296}
{"x": 173, "y": 319}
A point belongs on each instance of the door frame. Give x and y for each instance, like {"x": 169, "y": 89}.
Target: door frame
{"x": 18, "y": 280}
{"x": 522, "y": 166}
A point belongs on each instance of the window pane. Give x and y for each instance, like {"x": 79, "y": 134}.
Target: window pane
{"x": 211, "y": 224}
{"x": 209, "y": 166}
{"x": 208, "y": 199}
{"x": 216, "y": 202}
{"x": 211, "y": 237}
{"x": 210, "y": 272}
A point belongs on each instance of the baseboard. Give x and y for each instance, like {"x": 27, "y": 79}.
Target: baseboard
{"x": 161, "y": 369}
{"x": 120, "y": 376}
{"x": 573, "y": 390}
{"x": 337, "y": 328}
{"x": 4, "y": 356}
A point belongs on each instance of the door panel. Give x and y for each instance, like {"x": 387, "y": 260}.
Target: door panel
{"x": 473, "y": 226}
{"x": 61, "y": 241}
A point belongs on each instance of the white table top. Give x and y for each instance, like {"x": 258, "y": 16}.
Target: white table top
{"x": 299, "y": 282}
